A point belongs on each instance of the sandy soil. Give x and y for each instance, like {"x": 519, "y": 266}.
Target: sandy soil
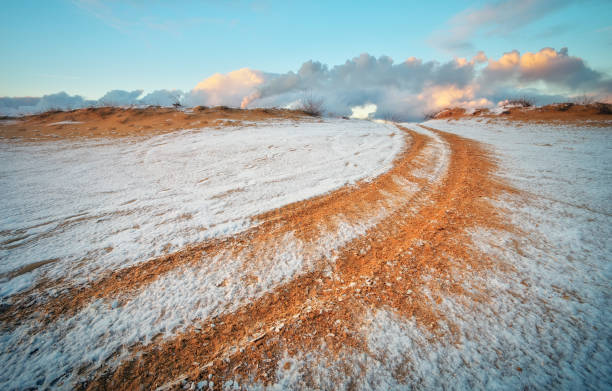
{"x": 115, "y": 122}
{"x": 562, "y": 113}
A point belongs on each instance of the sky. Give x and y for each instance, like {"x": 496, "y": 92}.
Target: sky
{"x": 90, "y": 47}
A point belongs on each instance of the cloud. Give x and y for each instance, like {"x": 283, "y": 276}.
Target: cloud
{"x": 499, "y": 18}
{"x": 436, "y": 97}
{"x": 120, "y": 98}
{"x": 162, "y": 98}
{"x": 58, "y": 101}
{"x": 63, "y": 101}
{"x": 412, "y": 87}
{"x": 369, "y": 86}
{"x": 549, "y": 66}
{"x": 15, "y": 103}
{"x": 393, "y": 87}
{"x": 225, "y": 89}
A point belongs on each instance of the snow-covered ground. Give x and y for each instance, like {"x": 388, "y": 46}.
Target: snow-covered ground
{"x": 78, "y": 198}
{"x": 120, "y": 202}
{"x": 117, "y": 203}
{"x": 549, "y": 323}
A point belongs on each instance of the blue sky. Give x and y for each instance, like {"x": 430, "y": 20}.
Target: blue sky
{"x": 91, "y": 47}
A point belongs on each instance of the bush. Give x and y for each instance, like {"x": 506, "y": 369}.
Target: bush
{"x": 312, "y": 106}
{"x": 431, "y": 115}
{"x": 565, "y": 106}
{"x": 176, "y": 101}
{"x": 521, "y": 102}
{"x": 583, "y": 100}
{"x": 603, "y": 108}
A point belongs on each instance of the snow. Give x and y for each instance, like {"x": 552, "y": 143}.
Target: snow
{"x": 549, "y": 315}
{"x": 549, "y": 311}
{"x": 65, "y": 123}
{"x": 149, "y": 183}
{"x": 117, "y": 202}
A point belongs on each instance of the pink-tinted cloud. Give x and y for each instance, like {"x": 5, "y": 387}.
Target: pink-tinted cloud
{"x": 438, "y": 97}
{"x": 227, "y": 89}
{"x": 546, "y": 65}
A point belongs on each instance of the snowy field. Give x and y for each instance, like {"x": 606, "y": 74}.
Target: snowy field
{"x": 116, "y": 203}
{"x": 551, "y": 317}
{"x": 95, "y": 206}
{"x": 119, "y": 202}
{"x": 547, "y": 324}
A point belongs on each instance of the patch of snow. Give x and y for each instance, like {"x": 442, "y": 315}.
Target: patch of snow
{"x": 65, "y": 123}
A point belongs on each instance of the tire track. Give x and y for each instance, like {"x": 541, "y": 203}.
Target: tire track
{"x": 406, "y": 262}
{"x": 93, "y": 317}
{"x": 307, "y": 221}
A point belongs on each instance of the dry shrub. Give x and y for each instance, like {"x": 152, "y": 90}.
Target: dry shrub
{"x": 522, "y": 102}
{"x": 565, "y": 106}
{"x": 603, "y": 108}
{"x": 432, "y": 115}
{"x": 584, "y": 100}
{"x": 312, "y": 106}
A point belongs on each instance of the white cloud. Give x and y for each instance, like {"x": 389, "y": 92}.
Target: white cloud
{"x": 120, "y": 98}
{"x": 403, "y": 90}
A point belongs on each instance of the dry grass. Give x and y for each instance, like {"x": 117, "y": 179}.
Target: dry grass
{"x": 104, "y": 122}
